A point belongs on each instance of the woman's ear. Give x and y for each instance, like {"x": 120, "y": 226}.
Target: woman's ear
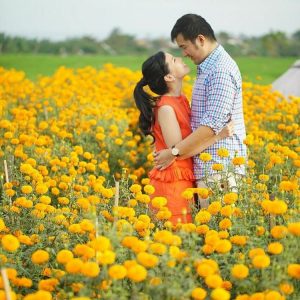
{"x": 169, "y": 78}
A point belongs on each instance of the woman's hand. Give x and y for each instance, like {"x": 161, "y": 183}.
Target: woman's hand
{"x": 227, "y": 131}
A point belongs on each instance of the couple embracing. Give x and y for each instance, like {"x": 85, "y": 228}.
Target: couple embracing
{"x": 214, "y": 121}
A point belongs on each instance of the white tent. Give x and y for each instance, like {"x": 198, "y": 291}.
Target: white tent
{"x": 288, "y": 83}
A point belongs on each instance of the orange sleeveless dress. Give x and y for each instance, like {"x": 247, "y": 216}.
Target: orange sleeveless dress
{"x": 171, "y": 182}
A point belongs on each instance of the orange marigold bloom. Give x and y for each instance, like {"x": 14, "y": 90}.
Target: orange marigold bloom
{"x": 294, "y": 270}
{"x": 261, "y": 261}
{"x": 137, "y": 273}
{"x": 275, "y": 248}
{"x": 10, "y": 243}
{"x": 40, "y": 257}
{"x": 117, "y": 272}
{"x": 199, "y": 294}
{"x": 239, "y": 271}
{"x": 64, "y": 256}
{"x": 90, "y": 269}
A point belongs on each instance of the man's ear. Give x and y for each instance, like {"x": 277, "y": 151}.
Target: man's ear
{"x": 169, "y": 78}
{"x": 201, "y": 39}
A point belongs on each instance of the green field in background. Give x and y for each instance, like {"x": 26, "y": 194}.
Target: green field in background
{"x": 34, "y": 65}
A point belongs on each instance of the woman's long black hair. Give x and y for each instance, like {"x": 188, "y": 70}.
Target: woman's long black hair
{"x": 153, "y": 69}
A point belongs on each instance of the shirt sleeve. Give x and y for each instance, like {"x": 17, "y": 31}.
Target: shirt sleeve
{"x": 220, "y": 90}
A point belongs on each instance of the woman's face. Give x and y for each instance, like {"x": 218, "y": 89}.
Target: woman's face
{"x": 176, "y": 66}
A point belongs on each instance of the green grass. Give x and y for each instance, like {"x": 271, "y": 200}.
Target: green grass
{"x": 34, "y": 65}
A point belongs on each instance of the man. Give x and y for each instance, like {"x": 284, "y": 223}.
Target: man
{"x": 216, "y": 99}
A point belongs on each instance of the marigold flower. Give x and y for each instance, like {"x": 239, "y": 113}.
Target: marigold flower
{"x": 74, "y": 266}
{"x": 294, "y": 270}
{"x": 240, "y": 271}
{"x": 202, "y": 217}
{"x": 10, "y": 243}
{"x": 213, "y": 281}
{"x": 205, "y": 157}
{"x": 64, "y": 256}
{"x": 40, "y": 257}
{"x": 90, "y": 269}
{"x": 220, "y": 293}
{"x": 293, "y": 228}
{"x": 223, "y": 152}
{"x": 275, "y": 248}
{"x": 137, "y": 273}
{"x": 117, "y": 272}
{"x": 261, "y": 261}
{"x": 199, "y": 294}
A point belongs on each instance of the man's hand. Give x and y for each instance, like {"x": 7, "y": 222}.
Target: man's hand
{"x": 163, "y": 159}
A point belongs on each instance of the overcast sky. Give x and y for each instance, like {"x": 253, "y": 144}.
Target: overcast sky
{"x": 59, "y": 19}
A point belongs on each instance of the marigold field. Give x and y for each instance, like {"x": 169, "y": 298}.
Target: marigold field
{"x": 74, "y": 201}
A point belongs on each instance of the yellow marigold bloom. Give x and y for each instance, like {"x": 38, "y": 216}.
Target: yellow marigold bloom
{"x": 48, "y": 284}
{"x": 220, "y": 294}
{"x": 223, "y": 246}
{"x": 155, "y": 281}
{"x": 275, "y": 248}
{"x": 260, "y": 230}
{"x": 149, "y": 189}
{"x": 279, "y": 231}
{"x": 273, "y": 295}
{"x": 64, "y": 256}
{"x": 10, "y": 243}
{"x": 2, "y": 224}
{"x": 293, "y": 228}
{"x": 158, "y": 248}
{"x": 230, "y": 198}
{"x": 225, "y": 224}
{"x": 147, "y": 260}
{"x": 239, "y": 160}
{"x": 217, "y": 167}
{"x": 261, "y": 261}
{"x": 202, "y": 217}
{"x": 40, "y": 257}
{"x": 26, "y": 189}
{"x": 213, "y": 281}
{"x": 204, "y": 270}
{"x": 276, "y": 207}
{"x": 101, "y": 243}
{"x": 294, "y": 270}
{"x": 137, "y": 273}
{"x": 214, "y": 207}
{"x": 256, "y": 251}
{"x": 227, "y": 211}
{"x": 240, "y": 271}
{"x": 263, "y": 177}
{"x": 106, "y": 258}
{"x": 74, "y": 266}
{"x": 90, "y": 269}
{"x": 205, "y": 157}
{"x": 187, "y": 194}
{"x": 240, "y": 240}
{"x": 202, "y": 192}
{"x": 257, "y": 296}
{"x": 117, "y": 272}
{"x": 199, "y": 294}
{"x": 39, "y": 295}
{"x": 41, "y": 188}
{"x": 286, "y": 288}
{"x": 135, "y": 188}
{"x": 223, "y": 152}
{"x": 158, "y": 202}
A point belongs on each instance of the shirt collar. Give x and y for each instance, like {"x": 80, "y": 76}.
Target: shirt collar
{"x": 209, "y": 60}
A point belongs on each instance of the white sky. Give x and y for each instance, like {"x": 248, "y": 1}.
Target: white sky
{"x": 59, "y": 19}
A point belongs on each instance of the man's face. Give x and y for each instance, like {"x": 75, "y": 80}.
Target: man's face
{"x": 193, "y": 50}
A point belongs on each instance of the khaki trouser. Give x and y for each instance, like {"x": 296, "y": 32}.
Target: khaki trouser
{"x": 217, "y": 182}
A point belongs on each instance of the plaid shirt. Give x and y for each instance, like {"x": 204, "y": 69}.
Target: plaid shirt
{"x": 217, "y": 98}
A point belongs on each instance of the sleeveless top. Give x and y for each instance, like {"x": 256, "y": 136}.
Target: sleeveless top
{"x": 180, "y": 169}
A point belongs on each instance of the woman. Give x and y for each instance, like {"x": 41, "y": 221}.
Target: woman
{"x": 167, "y": 119}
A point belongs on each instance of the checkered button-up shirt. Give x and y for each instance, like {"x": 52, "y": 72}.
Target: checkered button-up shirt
{"x": 217, "y": 98}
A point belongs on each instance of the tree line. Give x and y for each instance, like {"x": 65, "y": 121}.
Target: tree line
{"x": 118, "y": 43}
